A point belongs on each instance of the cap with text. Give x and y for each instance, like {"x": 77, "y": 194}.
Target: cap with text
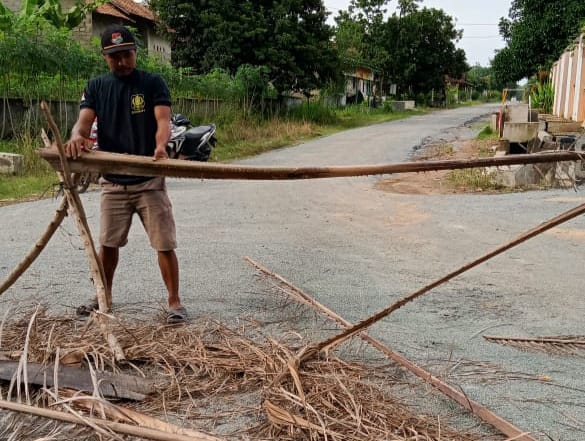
{"x": 117, "y": 38}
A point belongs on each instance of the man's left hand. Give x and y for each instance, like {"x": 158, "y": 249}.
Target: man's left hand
{"x": 160, "y": 153}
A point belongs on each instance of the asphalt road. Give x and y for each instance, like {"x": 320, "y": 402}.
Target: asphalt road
{"x": 357, "y": 250}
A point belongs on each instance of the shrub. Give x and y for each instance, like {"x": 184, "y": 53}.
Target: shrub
{"x": 543, "y": 96}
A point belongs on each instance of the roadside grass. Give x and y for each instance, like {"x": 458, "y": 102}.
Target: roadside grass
{"x": 38, "y": 179}
{"x": 478, "y": 179}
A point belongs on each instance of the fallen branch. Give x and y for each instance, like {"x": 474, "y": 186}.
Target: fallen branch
{"x": 110, "y": 385}
{"x": 103, "y": 162}
{"x": 477, "y": 409}
{"x": 125, "y": 429}
{"x": 38, "y": 247}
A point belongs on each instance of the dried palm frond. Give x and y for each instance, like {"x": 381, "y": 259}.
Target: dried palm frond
{"x": 557, "y": 345}
{"x": 211, "y": 377}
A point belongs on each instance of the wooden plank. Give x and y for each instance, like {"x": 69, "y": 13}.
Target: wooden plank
{"x": 103, "y": 162}
{"x": 110, "y": 385}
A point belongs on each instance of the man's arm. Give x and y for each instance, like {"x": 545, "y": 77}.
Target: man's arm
{"x": 163, "y": 130}
{"x": 80, "y": 134}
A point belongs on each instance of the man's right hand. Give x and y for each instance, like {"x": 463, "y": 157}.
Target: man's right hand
{"x": 75, "y": 146}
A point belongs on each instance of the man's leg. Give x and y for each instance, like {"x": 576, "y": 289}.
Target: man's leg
{"x": 109, "y": 258}
{"x": 169, "y": 269}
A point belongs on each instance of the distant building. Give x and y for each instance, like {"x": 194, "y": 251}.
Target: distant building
{"x": 359, "y": 85}
{"x": 125, "y": 12}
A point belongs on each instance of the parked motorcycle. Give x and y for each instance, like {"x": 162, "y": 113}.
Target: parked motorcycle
{"x": 186, "y": 142}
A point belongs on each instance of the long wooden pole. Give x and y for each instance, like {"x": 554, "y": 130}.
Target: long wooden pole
{"x": 76, "y": 206}
{"x": 103, "y": 162}
{"x": 482, "y": 412}
{"x": 125, "y": 429}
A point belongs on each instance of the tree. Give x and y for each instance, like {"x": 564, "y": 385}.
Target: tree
{"x": 289, "y": 37}
{"x": 537, "y": 32}
{"x": 422, "y": 50}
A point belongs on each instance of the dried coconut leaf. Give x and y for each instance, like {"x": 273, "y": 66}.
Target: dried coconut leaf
{"x": 200, "y": 365}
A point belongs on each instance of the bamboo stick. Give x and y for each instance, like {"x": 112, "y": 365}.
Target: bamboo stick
{"x": 311, "y": 351}
{"x": 38, "y": 247}
{"x": 103, "y": 162}
{"x": 562, "y": 218}
{"x": 96, "y": 267}
{"x": 475, "y": 408}
{"x": 125, "y": 429}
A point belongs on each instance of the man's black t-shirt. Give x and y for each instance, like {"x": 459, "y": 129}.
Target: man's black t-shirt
{"x": 124, "y": 107}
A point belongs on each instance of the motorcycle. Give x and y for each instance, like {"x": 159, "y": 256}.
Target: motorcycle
{"x": 186, "y": 142}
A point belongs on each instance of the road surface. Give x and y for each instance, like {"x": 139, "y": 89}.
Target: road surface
{"x": 358, "y": 249}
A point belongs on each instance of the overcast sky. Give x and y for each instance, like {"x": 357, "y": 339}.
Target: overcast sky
{"x": 479, "y": 21}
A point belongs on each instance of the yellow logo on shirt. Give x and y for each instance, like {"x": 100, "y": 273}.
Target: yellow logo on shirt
{"x": 138, "y": 103}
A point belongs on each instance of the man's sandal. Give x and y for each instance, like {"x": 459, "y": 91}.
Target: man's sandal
{"x": 176, "y": 315}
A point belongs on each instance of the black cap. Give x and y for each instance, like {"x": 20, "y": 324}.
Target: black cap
{"x": 117, "y": 38}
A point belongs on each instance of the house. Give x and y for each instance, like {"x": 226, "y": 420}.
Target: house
{"x": 359, "y": 84}
{"x": 125, "y": 12}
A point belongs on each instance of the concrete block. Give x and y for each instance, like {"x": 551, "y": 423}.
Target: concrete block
{"x": 517, "y": 113}
{"x": 563, "y": 127}
{"x": 400, "y": 106}
{"x": 520, "y": 132}
{"x": 558, "y": 175}
{"x": 11, "y": 164}
{"x": 565, "y": 174}
{"x": 494, "y": 122}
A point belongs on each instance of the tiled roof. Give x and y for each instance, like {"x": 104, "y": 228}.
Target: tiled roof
{"x": 125, "y": 8}
{"x": 108, "y": 9}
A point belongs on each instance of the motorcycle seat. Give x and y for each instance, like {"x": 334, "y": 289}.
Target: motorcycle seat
{"x": 196, "y": 133}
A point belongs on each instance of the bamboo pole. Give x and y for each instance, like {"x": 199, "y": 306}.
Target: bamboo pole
{"x": 311, "y": 351}
{"x": 475, "y": 408}
{"x": 560, "y": 219}
{"x": 96, "y": 267}
{"x": 125, "y": 429}
{"x": 38, "y": 247}
{"x": 103, "y": 162}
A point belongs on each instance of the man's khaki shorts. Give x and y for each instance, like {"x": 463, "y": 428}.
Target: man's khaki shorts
{"x": 150, "y": 201}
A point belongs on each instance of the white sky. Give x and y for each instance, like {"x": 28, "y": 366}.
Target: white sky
{"x": 478, "y": 19}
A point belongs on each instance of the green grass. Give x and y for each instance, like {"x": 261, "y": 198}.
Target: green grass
{"x": 14, "y": 188}
{"x": 487, "y": 133}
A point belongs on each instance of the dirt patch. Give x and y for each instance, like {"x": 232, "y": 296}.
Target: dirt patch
{"x": 444, "y": 181}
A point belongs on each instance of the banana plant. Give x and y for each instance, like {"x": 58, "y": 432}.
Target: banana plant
{"x": 51, "y": 11}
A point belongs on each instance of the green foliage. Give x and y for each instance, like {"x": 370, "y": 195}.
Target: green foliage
{"x": 536, "y": 32}
{"x": 43, "y": 61}
{"x": 314, "y": 111}
{"x": 474, "y": 179}
{"x": 289, "y": 37}
{"x": 543, "y": 96}
{"x": 487, "y": 133}
{"x": 50, "y": 11}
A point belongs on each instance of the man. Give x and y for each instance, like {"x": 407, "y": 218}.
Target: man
{"x": 133, "y": 109}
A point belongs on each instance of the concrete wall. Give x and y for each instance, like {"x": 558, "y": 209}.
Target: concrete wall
{"x": 568, "y": 76}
